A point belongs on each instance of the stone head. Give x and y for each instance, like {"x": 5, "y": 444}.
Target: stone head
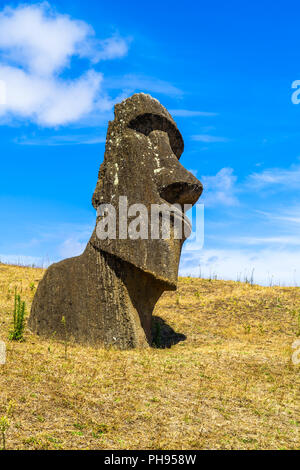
{"x": 141, "y": 162}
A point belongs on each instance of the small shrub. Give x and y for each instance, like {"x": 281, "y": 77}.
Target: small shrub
{"x": 4, "y": 425}
{"x": 100, "y": 430}
{"x": 298, "y": 327}
{"x": 18, "y": 319}
{"x": 250, "y": 280}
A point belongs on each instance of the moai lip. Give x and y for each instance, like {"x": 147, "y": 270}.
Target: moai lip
{"x": 107, "y": 294}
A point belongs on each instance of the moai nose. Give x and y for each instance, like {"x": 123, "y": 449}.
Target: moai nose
{"x": 175, "y": 183}
{"x": 182, "y": 192}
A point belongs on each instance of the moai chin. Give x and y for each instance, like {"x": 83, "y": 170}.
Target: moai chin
{"x": 107, "y": 294}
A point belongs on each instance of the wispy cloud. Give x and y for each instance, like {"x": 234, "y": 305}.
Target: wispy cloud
{"x": 239, "y": 264}
{"x": 220, "y": 188}
{"x": 189, "y": 113}
{"x": 207, "y": 138}
{"x": 61, "y": 140}
{"x": 289, "y": 215}
{"x": 278, "y": 240}
{"x": 108, "y": 49}
{"x": 136, "y": 83}
{"x": 280, "y": 177}
{"x": 72, "y": 246}
{"x": 37, "y": 45}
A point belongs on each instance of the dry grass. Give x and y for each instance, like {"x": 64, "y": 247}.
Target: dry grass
{"x": 230, "y": 385}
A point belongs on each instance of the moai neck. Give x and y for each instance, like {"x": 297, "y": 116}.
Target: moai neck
{"x": 126, "y": 297}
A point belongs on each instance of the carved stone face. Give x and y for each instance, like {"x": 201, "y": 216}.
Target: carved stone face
{"x": 141, "y": 162}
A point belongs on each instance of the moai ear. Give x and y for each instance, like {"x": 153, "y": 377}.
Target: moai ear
{"x": 130, "y": 169}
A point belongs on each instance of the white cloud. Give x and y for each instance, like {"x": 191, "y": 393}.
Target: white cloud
{"x": 188, "y": 113}
{"x": 59, "y": 140}
{"x": 36, "y": 45}
{"x": 39, "y": 40}
{"x": 240, "y": 264}
{"x": 288, "y": 178}
{"x": 278, "y": 240}
{"x": 130, "y": 83}
{"x": 111, "y": 48}
{"x": 207, "y": 138}
{"x": 220, "y": 189}
{"x": 51, "y": 101}
{"x": 293, "y": 220}
{"x": 290, "y": 216}
{"x": 72, "y": 239}
{"x": 72, "y": 247}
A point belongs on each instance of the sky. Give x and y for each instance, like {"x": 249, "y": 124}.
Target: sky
{"x": 224, "y": 70}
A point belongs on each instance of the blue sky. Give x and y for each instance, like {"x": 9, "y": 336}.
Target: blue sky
{"x": 224, "y": 70}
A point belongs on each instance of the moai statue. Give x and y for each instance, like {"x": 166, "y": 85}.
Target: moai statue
{"x": 107, "y": 294}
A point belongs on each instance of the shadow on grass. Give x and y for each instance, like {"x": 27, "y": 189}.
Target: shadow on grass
{"x": 163, "y": 335}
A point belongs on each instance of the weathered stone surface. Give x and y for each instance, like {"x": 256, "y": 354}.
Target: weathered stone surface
{"x": 107, "y": 294}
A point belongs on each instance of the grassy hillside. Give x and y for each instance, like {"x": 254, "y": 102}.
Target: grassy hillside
{"x": 227, "y": 383}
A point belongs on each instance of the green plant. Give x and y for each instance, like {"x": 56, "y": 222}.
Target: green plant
{"x": 79, "y": 426}
{"x": 18, "y": 319}
{"x": 100, "y": 430}
{"x": 4, "y": 425}
{"x": 298, "y": 327}
{"x": 32, "y": 286}
{"x": 250, "y": 280}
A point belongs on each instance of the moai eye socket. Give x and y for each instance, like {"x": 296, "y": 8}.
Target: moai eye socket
{"x": 148, "y": 122}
